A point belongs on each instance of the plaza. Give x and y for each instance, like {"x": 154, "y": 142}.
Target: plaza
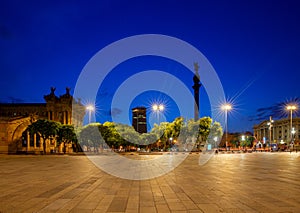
{"x": 241, "y": 182}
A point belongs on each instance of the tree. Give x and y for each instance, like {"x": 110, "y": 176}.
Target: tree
{"x": 90, "y": 136}
{"x": 175, "y": 127}
{"x": 248, "y": 142}
{"x": 204, "y": 128}
{"x": 215, "y": 134}
{"x": 127, "y": 135}
{"x": 235, "y": 139}
{"x": 162, "y": 132}
{"x": 46, "y": 129}
{"x": 113, "y": 138}
{"x": 66, "y": 134}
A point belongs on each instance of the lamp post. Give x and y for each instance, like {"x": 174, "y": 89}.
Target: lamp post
{"x": 291, "y": 108}
{"x": 243, "y": 138}
{"x": 90, "y": 108}
{"x": 215, "y": 140}
{"x": 226, "y": 107}
{"x": 170, "y": 142}
{"x": 157, "y": 108}
{"x": 293, "y": 133}
{"x": 292, "y": 145}
{"x": 270, "y": 124}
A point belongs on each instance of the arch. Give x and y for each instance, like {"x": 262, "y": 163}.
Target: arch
{"x": 17, "y": 133}
{"x": 16, "y": 128}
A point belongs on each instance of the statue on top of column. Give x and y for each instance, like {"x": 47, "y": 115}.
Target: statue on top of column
{"x": 68, "y": 90}
{"x": 52, "y": 90}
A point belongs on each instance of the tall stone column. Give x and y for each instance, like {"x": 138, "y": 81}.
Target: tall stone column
{"x": 34, "y": 144}
{"x": 41, "y": 144}
{"x": 196, "y": 88}
{"x": 28, "y": 141}
{"x": 63, "y": 118}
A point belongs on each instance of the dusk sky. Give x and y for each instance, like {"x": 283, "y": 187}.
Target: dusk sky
{"x": 252, "y": 45}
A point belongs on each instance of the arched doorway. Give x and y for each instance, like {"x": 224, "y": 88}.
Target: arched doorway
{"x": 21, "y": 141}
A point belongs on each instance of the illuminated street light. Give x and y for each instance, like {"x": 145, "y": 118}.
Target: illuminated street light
{"x": 90, "y": 108}
{"x": 291, "y": 107}
{"x": 293, "y": 133}
{"x": 270, "y": 124}
{"x": 226, "y": 107}
{"x": 170, "y": 142}
{"x": 161, "y": 107}
{"x": 155, "y": 107}
{"x": 215, "y": 140}
{"x": 158, "y": 108}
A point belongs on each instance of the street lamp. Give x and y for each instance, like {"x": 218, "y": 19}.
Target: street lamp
{"x": 158, "y": 108}
{"x": 215, "y": 140}
{"x": 291, "y": 108}
{"x": 293, "y": 133}
{"x": 170, "y": 142}
{"x": 270, "y": 124}
{"x": 90, "y": 108}
{"x": 226, "y": 107}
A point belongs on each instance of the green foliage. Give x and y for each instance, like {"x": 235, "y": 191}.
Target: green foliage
{"x": 192, "y": 128}
{"x": 90, "y": 136}
{"x": 235, "y": 139}
{"x": 216, "y": 132}
{"x": 113, "y": 137}
{"x": 116, "y": 135}
{"x": 248, "y": 142}
{"x": 66, "y": 134}
{"x": 148, "y": 138}
{"x": 127, "y": 134}
{"x": 204, "y": 128}
{"x": 46, "y": 129}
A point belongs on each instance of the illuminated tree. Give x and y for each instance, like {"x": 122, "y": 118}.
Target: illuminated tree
{"x": 66, "y": 135}
{"x": 46, "y": 129}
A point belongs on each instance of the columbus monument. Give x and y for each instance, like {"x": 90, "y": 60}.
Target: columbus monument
{"x": 196, "y": 88}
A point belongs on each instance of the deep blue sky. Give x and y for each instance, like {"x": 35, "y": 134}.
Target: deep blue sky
{"x": 252, "y": 45}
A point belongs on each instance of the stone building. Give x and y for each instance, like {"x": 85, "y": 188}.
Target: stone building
{"x": 279, "y": 132}
{"x": 15, "y": 118}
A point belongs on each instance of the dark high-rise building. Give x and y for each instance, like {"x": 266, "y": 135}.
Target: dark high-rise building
{"x": 196, "y": 88}
{"x": 139, "y": 120}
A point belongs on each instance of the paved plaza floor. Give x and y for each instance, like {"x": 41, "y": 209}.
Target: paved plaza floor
{"x": 250, "y": 182}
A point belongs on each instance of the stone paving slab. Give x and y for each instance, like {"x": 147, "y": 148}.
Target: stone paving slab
{"x": 250, "y": 182}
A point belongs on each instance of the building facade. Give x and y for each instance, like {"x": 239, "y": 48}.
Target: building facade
{"x": 139, "y": 119}
{"x": 15, "y": 118}
{"x": 278, "y": 131}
